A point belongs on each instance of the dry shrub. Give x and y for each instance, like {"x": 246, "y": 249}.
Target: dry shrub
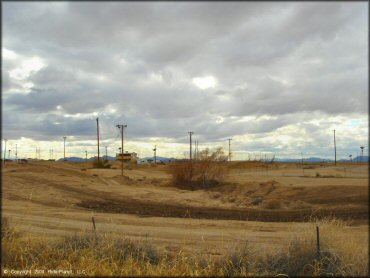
{"x": 239, "y": 262}
{"x": 205, "y": 171}
{"x": 101, "y": 164}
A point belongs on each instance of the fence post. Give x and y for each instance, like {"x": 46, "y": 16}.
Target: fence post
{"x": 93, "y": 221}
{"x": 318, "y": 240}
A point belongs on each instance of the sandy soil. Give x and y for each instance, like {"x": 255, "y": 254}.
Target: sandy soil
{"x": 55, "y": 198}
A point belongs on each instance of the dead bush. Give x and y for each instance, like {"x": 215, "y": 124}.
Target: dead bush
{"x": 101, "y": 164}
{"x": 206, "y": 171}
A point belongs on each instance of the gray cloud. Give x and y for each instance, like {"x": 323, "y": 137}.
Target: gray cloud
{"x": 134, "y": 63}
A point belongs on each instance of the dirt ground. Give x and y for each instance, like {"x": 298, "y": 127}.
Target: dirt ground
{"x": 52, "y": 199}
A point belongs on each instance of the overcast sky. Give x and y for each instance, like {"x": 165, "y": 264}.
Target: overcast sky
{"x": 276, "y": 77}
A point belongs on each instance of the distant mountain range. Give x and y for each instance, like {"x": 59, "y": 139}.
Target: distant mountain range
{"x": 318, "y": 159}
{"x": 80, "y": 159}
{"x": 159, "y": 158}
{"x": 166, "y": 159}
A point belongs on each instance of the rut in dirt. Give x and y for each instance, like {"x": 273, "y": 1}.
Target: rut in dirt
{"x": 153, "y": 209}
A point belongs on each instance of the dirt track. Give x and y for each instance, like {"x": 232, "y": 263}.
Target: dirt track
{"x": 58, "y": 198}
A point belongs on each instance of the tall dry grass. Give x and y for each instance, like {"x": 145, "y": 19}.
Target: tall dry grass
{"x": 107, "y": 254}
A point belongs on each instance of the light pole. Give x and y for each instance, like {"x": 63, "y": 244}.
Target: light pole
{"x": 229, "y": 149}
{"x": 98, "y": 137}
{"x": 155, "y": 154}
{"x": 122, "y": 127}
{"x": 190, "y": 133}
{"x": 64, "y": 138}
{"x": 335, "y": 150}
{"x": 86, "y": 156}
{"x": 362, "y": 152}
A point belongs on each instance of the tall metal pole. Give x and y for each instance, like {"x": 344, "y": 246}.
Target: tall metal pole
{"x": 106, "y": 152}
{"x": 335, "y": 151}
{"x": 123, "y": 136}
{"x": 121, "y": 127}
{"x": 190, "y": 133}
{"x": 229, "y": 149}
{"x": 97, "y": 127}
{"x": 86, "y": 156}
{"x": 362, "y": 153}
{"x": 155, "y": 154}
{"x": 5, "y": 149}
{"x": 64, "y": 137}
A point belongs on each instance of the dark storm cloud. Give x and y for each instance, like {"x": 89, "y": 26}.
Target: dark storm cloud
{"x": 135, "y": 62}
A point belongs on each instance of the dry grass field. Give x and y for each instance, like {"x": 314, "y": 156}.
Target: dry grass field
{"x": 267, "y": 212}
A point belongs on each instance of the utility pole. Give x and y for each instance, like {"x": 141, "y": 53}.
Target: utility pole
{"x": 106, "y": 152}
{"x": 64, "y": 138}
{"x": 86, "y": 156}
{"x": 229, "y": 149}
{"x": 362, "y": 153}
{"x": 190, "y": 133}
{"x": 195, "y": 149}
{"x": 97, "y": 130}
{"x": 155, "y": 154}
{"x": 335, "y": 150}
{"x": 5, "y": 149}
{"x": 122, "y": 128}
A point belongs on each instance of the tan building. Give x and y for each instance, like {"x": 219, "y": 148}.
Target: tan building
{"x": 127, "y": 157}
